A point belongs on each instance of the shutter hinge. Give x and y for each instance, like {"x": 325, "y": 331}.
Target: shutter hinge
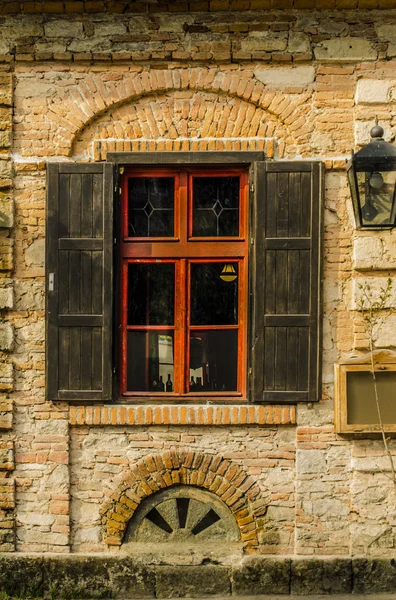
{"x": 120, "y": 190}
{"x": 250, "y": 372}
{"x": 252, "y": 187}
{"x": 252, "y": 241}
{"x": 51, "y": 282}
{"x": 114, "y": 370}
{"x": 115, "y": 241}
{"x": 122, "y": 169}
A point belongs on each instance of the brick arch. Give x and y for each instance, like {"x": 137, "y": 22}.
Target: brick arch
{"x": 99, "y": 93}
{"x": 198, "y": 119}
{"x": 212, "y": 472}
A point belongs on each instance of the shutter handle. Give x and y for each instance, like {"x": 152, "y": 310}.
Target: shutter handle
{"x": 51, "y": 282}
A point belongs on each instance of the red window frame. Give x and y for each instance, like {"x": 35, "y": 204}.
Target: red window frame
{"x": 183, "y": 249}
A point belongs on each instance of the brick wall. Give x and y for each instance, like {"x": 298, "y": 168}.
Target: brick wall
{"x": 295, "y": 84}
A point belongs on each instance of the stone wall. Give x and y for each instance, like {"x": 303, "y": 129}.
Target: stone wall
{"x": 7, "y": 483}
{"x": 303, "y": 85}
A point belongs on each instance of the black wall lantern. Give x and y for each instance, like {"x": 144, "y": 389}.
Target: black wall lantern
{"x": 372, "y": 178}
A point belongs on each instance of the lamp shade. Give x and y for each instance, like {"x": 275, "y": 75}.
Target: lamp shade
{"x": 372, "y": 179}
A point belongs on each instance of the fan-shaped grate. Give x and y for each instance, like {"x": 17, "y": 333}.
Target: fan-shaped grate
{"x": 183, "y": 514}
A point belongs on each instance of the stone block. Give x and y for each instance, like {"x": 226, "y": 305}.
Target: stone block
{"x": 310, "y": 461}
{"x": 63, "y": 28}
{"x": 6, "y": 377}
{"x": 6, "y": 293}
{"x": 94, "y": 44}
{"x": 5, "y": 139}
{"x": 386, "y": 336}
{"x": 372, "y": 91}
{"x": 298, "y": 42}
{"x": 5, "y": 420}
{"x": 129, "y": 580}
{"x": 286, "y": 76}
{"x": 29, "y": 295}
{"x": 374, "y": 252}
{"x": 97, "y": 577}
{"x": 7, "y": 534}
{"x": 192, "y": 581}
{"x": 6, "y": 456}
{"x": 6, "y": 210}
{"x": 6, "y": 336}
{"x": 259, "y": 575}
{"x": 324, "y": 576}
{"x": 5, "y": 167}
{"x": 373, "y": 576}
{"x": 376, "y": 285}
{"x": 7, "y": 493}
{"x": 386, "y": 31}
{"x": 35, "y": 254}
{"x": 345, "y": 49}
{"x": 6, "y": 89}
{"x": 21, "y": 576}
{"x": 33, "y": 88}
{"x": 110, "y": 27}
{"x": 263, "y": 43}
{"x": 31, "y": 333}
{"x": 327, "y": 508}
{"x": 6, "y": 254}
{"x": 362, "y": 132}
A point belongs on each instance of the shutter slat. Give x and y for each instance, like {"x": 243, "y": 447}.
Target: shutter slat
{"x": 79, "y": 308}
{"x": 80, "y": 320}
{"x": 287, "y": 320}
{"x": 286, "y": 297}
{"x": 288, "y": 244}
{"x": 80, "y": 244}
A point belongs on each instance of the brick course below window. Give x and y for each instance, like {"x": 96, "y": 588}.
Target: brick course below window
{"x": 183, "y": 415}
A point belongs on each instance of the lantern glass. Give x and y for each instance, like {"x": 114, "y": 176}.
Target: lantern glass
{"x": 376, "y": 197}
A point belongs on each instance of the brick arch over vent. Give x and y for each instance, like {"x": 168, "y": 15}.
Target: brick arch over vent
{"x": 97, "y": 93}
{"x": 222, "y": 477}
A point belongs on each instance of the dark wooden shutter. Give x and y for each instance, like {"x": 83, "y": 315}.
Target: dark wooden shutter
{"x": 79, "y": 265}
{"x": 285, "y": 285}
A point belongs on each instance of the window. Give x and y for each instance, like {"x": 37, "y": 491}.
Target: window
{"x": 184, "y": 282}
{"x": 200, "y": 253}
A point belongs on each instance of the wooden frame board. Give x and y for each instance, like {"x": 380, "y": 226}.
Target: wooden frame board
{"x": 354, "y": 401}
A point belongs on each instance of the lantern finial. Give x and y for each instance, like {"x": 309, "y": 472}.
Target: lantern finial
{"x": 376, "y": 132}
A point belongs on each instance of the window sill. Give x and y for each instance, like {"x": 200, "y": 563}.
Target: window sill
{"x": 177, "y": 414}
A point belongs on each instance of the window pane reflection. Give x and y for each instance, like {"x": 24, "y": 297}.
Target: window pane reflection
{"x": 378, "y": 198}
{"x": 151, "y": 293}
{"x": 150, "y": 361}
{"x": 150, "y": 207}
{"x": 215, "y": 206}
{"x": 213, "y": 361}
{"x": 214, "y": 293}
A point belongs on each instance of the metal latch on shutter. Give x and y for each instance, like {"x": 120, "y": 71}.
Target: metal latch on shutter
{"x": 51, "y": 282}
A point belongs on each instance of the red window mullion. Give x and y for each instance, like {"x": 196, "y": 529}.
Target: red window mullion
{"x": 124, "y": 321}
{"x": 182, "y": 251}
{"x": 180, "y": 327}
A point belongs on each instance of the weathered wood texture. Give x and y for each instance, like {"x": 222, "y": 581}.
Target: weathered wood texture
{"x": 286, "y": 282}
{"x": 79, "y": 308}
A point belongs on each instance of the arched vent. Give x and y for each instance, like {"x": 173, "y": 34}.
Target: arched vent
{"x": 183, "y": 514}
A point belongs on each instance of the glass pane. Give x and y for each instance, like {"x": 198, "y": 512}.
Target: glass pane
{"x": 151, "y": 293}
{"x": 213, "y": 361}
{"x": 215, "y": 206}
{"x": 150, "y": 361}
{"x": 377, "y": 192}
{"x": 214, "y": 293}
{"x": 150, "y": 206}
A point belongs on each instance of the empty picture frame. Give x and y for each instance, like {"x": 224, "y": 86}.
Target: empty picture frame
{"x": 355, "y": 404}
